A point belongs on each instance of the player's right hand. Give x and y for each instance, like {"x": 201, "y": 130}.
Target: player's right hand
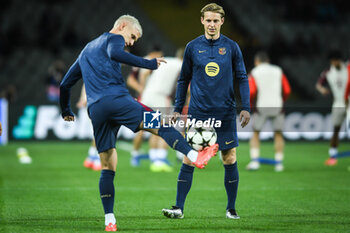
{"x": 160, "y": 60}
{"x": 176, "y": 115}
{"x": 68, "y": 118}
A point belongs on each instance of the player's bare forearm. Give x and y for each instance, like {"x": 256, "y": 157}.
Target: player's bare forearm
{"x": 81, "y": 103}
{"x": 83, "y": 99}
{"x": 144, "y": 74}
{"x": 321, "y": 89}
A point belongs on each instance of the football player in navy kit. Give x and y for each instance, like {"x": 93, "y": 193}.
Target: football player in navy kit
{"x": 213, "y": 64}
{"x": 110, "y": 105}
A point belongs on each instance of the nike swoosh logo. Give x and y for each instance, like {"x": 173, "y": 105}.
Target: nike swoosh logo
{"x": 229, "y": 142}
{"x": 231, "y": 181}
{"x": 201, "y": 51}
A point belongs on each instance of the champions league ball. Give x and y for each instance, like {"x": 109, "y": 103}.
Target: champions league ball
{"x": 201, "y": 137}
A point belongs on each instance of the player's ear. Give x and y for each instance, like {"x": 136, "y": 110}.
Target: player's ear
{"x": 222, "y": 20}
{"x": 202, "y": 20}
{"x": 122, "y": 25}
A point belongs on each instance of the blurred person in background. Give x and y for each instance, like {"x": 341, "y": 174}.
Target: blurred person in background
{"x": 137, "y": 77}
{"x": 333, "y": 81}
{"x": 92, "y": 161}
{"x": 269, "y": 88}
{"x": 9, "y": 92}
{"x": 56, "y": 72}
{"x": 136, "y": 81}
{"x": 159, "y": 86}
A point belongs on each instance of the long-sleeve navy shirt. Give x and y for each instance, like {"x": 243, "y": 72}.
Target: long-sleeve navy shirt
{"x": 99, "y": 66}
{"x": 212, "y": 66}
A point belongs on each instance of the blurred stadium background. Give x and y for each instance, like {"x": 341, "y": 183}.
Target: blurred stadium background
{"x": 39, "y": 38}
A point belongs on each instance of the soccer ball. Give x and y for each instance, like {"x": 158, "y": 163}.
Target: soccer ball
{"x": 201, "y": 137}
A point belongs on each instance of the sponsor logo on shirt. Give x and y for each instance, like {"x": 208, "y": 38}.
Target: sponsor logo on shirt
{"x": 212, "y": 69}
{"x": 201, "y": 51}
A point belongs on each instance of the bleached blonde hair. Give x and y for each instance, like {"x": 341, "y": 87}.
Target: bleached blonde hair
{"x": 129, "y": 19}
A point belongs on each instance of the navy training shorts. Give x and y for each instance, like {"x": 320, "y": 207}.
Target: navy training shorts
{"x": 111, "y": 112}
{"x": 227, "y": 134}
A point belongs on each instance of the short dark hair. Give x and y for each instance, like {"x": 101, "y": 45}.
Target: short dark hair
{"x": 335, "y": 54}
{"x": 213, "y": 7}
{"x": 262, "y": 56}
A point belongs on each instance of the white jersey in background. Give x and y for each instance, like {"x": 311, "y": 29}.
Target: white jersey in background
{"x": 336, "y": 80}
{"x": 270, "y": 86}
{"x": 161, "y": 83}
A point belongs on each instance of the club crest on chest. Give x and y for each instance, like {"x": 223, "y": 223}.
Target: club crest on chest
{"x": 222, "y": 51}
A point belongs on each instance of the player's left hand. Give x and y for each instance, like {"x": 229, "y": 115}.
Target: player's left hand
{"x": 68, "y": 118}
{"x": 244, "y": 118}
{"x": 160, "y": 60}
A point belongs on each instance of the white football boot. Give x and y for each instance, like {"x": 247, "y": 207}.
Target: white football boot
{"x": 174, "y": 212}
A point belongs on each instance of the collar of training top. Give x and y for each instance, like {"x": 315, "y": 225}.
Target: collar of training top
{"x": 210, "y": 41}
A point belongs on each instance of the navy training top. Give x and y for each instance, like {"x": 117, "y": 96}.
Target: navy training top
{"x": 99, "y": 66}
{"x": 211, "y": 66}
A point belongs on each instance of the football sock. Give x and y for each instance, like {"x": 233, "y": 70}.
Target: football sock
{"x": 92, "y": 151}
{"x": 279, "y": 157}
{"x": 153, "y": 155}
{"x": 254, "y": 153}
{"x": 107, "y": 190}
{"x": 184, "y": 183}
{"x": 174, "y": 139}
{"x": 192, "y": 155}
{"x": 162, "y": 154}
{"x": 110, "y": 218}
{"x": 231, "y": 184}
{"x": 333, "y": 151}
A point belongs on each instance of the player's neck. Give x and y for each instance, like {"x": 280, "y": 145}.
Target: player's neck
{"x": 209, "y": 37}
{"x": 114, "y": 30}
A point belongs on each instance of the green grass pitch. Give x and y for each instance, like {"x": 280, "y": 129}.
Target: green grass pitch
{"x": 57, "y": 194}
